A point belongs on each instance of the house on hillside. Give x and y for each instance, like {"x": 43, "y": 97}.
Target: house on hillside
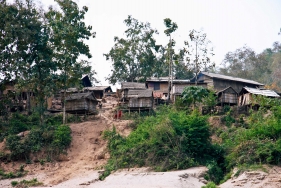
{"x": 160, "y": 87}
{"x": 220, "y": 82}
{"x": 99, "y": 91}
{"x": 81, "y": 103}
{"x": 227, "y": 96}
{"x": 179, "y": 85}
{"x": 126, "y": 86}
{"x": 20, "y": 99}
{"x": 246, "y": 95}
{"x": 160, "y": 84}
{"x": 140, "y": 99}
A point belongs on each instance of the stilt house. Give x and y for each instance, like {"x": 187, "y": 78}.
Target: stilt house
{"x": 81, "y": 103}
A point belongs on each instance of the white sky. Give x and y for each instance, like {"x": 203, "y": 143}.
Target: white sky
{"x": 229, "y": 24}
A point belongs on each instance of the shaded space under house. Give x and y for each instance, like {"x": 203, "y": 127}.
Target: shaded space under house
{"x": 227, "y": 96}
{"x": 246, "y": 95}
{"x": 81, "y": 103}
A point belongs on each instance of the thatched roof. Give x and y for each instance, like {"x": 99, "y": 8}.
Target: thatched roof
{"x": 77, "y": 96}
{"x": 132, "y": 85}
{"x": 264, "y": 92}
{"x": 140, "y": 93}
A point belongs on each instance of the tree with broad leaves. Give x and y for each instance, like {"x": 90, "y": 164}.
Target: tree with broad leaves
{"x": 41, "y": 49}
{"x": 197, "y": 52}
{"x": 25, "y": 52}
{"x": 68, "y": 33}
{"x": 133, "y": 57}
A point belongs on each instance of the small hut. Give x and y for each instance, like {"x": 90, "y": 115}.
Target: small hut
{"x": 227, "y": 96}
{"x": 81, "y": 103}
{"x": 246, "y": 95}
{"x": 140, "y": 98}
{"x": 126, "y": 86}
{"x": 99, "y": 91}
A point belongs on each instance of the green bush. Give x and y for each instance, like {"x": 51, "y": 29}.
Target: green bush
{"x": 51, "y": 135}
{"x": 62, "y": 138}
{"x": 210, "y": 185}
{"x": 169, "y": 140}
{"x": 27, "y": 183}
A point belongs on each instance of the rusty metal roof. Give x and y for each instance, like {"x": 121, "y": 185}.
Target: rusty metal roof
{"x": 264, "y": 92}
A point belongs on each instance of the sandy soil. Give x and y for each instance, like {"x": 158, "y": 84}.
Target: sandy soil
{"x": 268, "y": 178}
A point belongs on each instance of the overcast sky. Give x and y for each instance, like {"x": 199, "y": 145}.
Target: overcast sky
{"x": 229, "y": 24}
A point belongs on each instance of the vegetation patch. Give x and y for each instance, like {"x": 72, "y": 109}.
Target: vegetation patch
{"x": 170, "y": 139}
{"x": 8, "y": 175}
{"x": 26, "y": 183}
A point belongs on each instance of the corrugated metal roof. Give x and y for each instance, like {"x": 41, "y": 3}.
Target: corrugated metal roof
{"x": 140, "y": 93}
{"x": 133, "y": 85}
{"x": 220, "y": 76}
{"x": 264, "y": 92}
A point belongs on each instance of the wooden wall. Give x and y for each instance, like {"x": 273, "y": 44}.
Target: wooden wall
{"x": 237, "y": 86}
{"x": 140, "y": 102}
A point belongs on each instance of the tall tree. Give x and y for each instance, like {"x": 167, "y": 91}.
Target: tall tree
{"x": 68, "y": 33}
{"x": 170, "y": 28}
{"x": 198, "y": 52}
{"x": 133, "y": 57}
{"x": 26, "y": 55}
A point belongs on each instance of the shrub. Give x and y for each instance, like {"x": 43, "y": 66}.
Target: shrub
{"x": 210, "y": 185}
{"x": 62, "y": 138}
{"x": 169, "y": 140}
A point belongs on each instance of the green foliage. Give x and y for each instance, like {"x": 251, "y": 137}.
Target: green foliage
{"x": 14, "y": 183}
{"x": 259, "y": 142}
{"x": 52, "y": 135}
{"x": 19, "y": 173}
{"x": 262, "y": 67}
{"x": 133, "y": 56}
{"x": 27, "y": 183}
{"x": 40, "y": 49}
{"x": 193, "y": 95}
{"x": 198, "y": 52}
{"x": 62, "y": 137}
{"x": 210, "y": 185}
{"x": 169, "y": 140}
{"x": 215, "y": 173}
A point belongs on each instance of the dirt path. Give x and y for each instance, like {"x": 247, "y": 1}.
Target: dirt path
{"x": 86, "y": 153}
